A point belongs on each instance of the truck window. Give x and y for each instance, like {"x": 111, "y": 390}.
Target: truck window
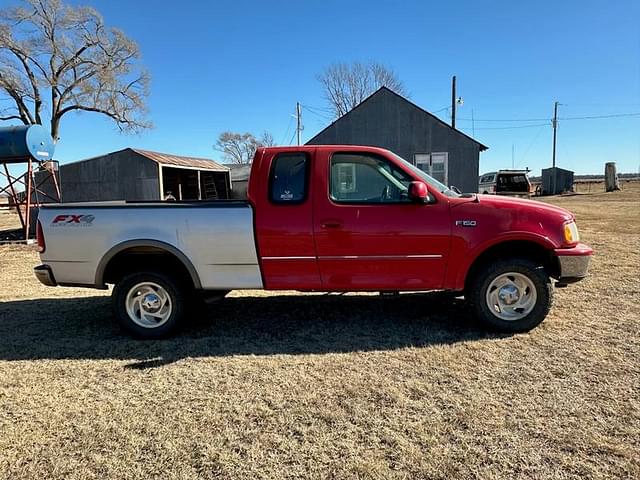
{"x": 513, "y": 183}
{"x": 367, "y": 178}
{"x": 288, "y": 181}
{"x": 487, "y": 178}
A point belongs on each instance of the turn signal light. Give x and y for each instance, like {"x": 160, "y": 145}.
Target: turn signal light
{"x": 571, "y": 235}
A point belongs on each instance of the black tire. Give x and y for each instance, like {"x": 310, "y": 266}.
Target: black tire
{"x": 173, "y": 289}
{"x": 486, "y": 274}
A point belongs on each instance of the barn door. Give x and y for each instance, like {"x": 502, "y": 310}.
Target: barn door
{"x": 435, "y": 164}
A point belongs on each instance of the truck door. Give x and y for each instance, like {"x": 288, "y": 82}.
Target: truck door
{"x": 369, "y": 234}
{"x": 284, "y": 221}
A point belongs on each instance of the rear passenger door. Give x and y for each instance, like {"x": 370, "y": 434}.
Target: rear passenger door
{"x": 284, "y": 222}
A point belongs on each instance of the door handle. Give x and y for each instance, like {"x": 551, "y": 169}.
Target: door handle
{"x": 331, "y": 224}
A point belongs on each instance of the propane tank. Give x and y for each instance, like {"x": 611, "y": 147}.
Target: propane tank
{"x": 19, "y": 143}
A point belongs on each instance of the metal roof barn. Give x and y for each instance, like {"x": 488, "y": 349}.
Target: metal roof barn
{"x": 138, "y": 175}
{"x": 388, "y": 120}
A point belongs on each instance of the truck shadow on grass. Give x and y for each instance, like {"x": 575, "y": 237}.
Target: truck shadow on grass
{"x": 82, "y": 328}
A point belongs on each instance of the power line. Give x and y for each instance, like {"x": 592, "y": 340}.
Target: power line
{"x": 511, "y": 127}
{"x": 323, "y": 116}
{"x": 505, "y": 119}
{"x": 589, "y": 117}
{"x": 613, "y": 115}
{"x": 319, "y": 110}
{"x": 286, "y": 134}
{"x": 442, "y": 109}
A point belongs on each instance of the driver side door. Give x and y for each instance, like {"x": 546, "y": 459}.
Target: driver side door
{"x": 369, "y": 235}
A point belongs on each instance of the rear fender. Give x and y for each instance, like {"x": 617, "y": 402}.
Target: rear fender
{"x": 121, "y": 247}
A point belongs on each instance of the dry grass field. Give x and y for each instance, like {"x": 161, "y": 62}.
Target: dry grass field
{"x": 282, "y": 386}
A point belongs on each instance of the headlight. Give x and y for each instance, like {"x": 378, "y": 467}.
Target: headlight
{"x": 571, "y": 235}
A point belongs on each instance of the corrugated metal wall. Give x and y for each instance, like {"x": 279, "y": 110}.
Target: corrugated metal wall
{"x": 123, "y": 175}
{"x": 387, "y": 120}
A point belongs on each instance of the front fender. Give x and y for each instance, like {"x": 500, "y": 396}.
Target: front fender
{"x": 456, "y": 277}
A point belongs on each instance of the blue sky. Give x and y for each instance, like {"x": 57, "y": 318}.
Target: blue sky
{"x": 242, "y": 66}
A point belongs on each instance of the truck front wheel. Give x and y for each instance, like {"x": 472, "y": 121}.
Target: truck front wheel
{"x": 148, "y": 304}
{"x": 511, "y": 295}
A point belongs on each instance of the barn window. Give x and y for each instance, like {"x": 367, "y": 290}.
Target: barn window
{"x": 435, "y": 164}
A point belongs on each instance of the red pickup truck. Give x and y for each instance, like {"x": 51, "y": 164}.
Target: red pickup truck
{"x": 318, "y": 218}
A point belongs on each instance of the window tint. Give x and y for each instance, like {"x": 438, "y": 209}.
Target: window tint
{"x": 513, "y": 183}
{"x": 288, "y": 181}
{"x": 365, "y": 178}
{"x": 487, "y": 178}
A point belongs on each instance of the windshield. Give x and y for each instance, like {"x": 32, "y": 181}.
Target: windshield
{"x": 428, "y": 179}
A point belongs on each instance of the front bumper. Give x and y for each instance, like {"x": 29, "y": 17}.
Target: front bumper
{"x": 45, "y": 275}
{"x": 573, "y": 262}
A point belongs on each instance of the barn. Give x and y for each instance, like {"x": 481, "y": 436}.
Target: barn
{"x": 388, "y": 120}
{"x": 138, "y": 175}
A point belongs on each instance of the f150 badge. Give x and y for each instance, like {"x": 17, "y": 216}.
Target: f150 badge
{"x": 72, "y": 221}
{"x": 465, "y": 223}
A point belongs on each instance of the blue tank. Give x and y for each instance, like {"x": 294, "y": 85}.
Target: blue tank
{"x": 19, "y": 143}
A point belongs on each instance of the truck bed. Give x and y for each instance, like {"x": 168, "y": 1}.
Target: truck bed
{"x": 216, "y": 237}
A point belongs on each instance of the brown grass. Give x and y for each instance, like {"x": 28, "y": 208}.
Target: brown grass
{"x": 8, "y": 220}
{"x": 280, "y": 386}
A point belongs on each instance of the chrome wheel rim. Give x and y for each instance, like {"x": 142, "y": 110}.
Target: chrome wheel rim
{"x": 149, "y": 305}
{"x": 511, "y": 296}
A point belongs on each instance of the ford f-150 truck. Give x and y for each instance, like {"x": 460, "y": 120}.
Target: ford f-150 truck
{"x": 317, "y": 218}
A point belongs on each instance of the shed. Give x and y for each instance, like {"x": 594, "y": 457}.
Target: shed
{"x": 556, "y": 180}
{"x": 133, "y": 174}
{"x": 239, "y": 180}
{"x": 388, "y": 120}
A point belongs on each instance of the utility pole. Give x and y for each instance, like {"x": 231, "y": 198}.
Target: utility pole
{"x": 453, "y": 102}
{"x": 473, "y": 125}
{"x": 299, "y": 121}
{"x": 555, "y": 128}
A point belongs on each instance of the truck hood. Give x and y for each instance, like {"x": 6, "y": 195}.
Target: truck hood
{"x": 524, "y": 206}
{"x": 495, "y": 215}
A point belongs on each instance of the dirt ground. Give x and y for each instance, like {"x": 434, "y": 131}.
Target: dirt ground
{"x": 287, "y": 386}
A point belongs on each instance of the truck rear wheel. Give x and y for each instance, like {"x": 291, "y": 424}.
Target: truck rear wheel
{"x": 148, "y": 304}
{"x": 511, "y": 295}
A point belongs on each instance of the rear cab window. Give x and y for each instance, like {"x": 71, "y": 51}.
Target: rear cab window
{"x": 289, "y": 178}
{"x": 513, "y": 183}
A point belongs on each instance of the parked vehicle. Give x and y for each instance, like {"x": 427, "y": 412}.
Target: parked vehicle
{"x": 317, "y": 218}
{"x": 505, "y": 182}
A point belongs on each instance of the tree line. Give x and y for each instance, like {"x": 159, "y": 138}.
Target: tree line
{"x": 56, "y": 58}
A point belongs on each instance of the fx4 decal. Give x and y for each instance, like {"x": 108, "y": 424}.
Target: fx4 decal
{"x": 73, "y": 220}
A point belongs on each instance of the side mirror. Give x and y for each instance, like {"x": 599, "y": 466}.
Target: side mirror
{"x": 418, "y": 192}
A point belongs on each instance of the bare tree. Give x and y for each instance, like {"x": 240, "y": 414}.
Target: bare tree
{"x": 56, "y": 59}
{"x": 266, "y": 140}
{"x": 240, "y": 148}
{"x": 347, "y": 85}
